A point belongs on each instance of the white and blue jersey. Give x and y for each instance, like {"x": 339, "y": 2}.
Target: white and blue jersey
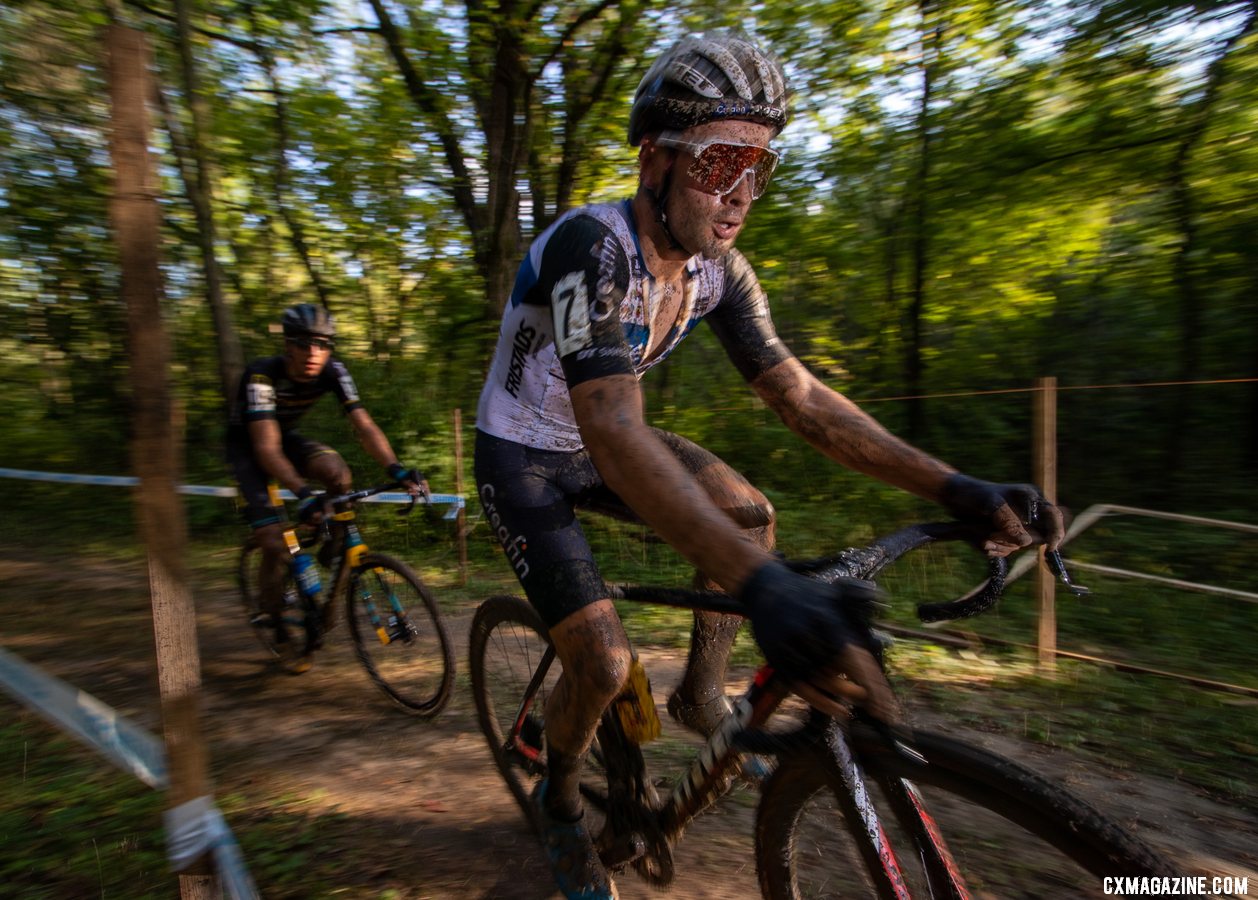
{"x": 581, "y": 308}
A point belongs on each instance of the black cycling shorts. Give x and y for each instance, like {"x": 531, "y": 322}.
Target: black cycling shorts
{"x": 253, "y": 481}
{"x": 530, "y": 498}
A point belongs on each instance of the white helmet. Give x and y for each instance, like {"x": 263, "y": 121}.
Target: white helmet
{"x": 706, "y": 77}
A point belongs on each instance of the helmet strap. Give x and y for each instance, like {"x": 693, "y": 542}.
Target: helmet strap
{"x": 661, "y": 216}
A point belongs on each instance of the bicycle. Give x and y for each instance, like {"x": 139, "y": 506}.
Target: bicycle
{"x": 393, "y": 618}
{"x": 829, "y": 778}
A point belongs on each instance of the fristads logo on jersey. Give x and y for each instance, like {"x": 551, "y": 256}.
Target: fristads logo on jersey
{"x": 520, "y": 345}
{"x": 607, "y": 294}
{"x": 347, "y": 383}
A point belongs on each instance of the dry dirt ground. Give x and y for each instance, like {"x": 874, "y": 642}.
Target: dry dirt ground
{"x": 405, "y": 808}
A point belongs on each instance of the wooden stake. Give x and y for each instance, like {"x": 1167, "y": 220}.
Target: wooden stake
{"x": 157, "y": 448}
{"x": 1045, "y": 463}
{"x": 461, "y": 521}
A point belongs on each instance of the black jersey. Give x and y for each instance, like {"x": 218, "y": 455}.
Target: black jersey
{"x": 267, "y": 392}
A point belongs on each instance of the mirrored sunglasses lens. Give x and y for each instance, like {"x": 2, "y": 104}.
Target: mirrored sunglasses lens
{"x": 720, "y": 167}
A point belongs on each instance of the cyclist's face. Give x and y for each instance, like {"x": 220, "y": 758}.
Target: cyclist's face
{"x": 307, "y": 357}
{"x": 703, "y": 221}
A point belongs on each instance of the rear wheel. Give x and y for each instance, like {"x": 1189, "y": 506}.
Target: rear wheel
{"x": 292, "y": 641}
{"x": 398, "y": 634}
{"x": 1009, "y": 833}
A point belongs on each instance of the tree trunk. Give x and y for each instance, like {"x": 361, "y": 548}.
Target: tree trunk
{"x": 1185, "y": 267}
{"x": 231, "y": 360}
{"x": 156, "y": 448}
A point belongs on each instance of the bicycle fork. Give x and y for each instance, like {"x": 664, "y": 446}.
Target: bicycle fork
{"x": 942, "y": 873}
{"x": 397, "y": 625}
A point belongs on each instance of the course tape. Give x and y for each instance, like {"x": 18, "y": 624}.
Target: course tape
{"x": 197, "y": 827}
{"x": 82, "y": 715}
{"x": 454, "y": 501}
{"x": 192, "y": 828}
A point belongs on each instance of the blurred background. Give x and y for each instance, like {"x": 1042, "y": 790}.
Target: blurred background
{"x": 973, "y": 196}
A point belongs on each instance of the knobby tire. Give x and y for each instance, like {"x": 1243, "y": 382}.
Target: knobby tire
{"x": 414, "y": 667}
{"x": 1054, "y": 830}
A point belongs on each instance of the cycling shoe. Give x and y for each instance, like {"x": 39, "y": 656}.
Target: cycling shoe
{"x": 579, "y": 873}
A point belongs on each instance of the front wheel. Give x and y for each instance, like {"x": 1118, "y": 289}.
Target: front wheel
{"x": 1009, "y": 832}
{"x": 398, "y": 634}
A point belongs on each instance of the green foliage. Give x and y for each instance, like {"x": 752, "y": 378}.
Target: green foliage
{"x": 71, "y": 825}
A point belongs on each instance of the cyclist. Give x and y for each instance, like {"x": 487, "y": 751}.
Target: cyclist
{"x": 263, "y": 444}
{"x": 606, "y": 293}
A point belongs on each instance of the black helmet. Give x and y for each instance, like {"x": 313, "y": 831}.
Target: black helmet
{"x": 706, "y": 77}
{"x": 308, "y": 319}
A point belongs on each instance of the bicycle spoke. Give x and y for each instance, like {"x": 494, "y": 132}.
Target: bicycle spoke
{"x": 398, "y": 635}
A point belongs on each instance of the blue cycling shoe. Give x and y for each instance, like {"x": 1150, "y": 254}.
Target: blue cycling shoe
{"x": 578, "y": 871}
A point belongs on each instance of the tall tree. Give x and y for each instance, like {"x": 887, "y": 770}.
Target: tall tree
{"x": 510, "y": 51}
{"x": 157, "y": 450}
{"x": 201, "y": 195}
{"x": 1187, "y": 267}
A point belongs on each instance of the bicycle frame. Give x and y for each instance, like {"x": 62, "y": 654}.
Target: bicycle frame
{"x": 853, "y": 775}
{"x": 707, "y": 777}
{"x": 351, "y": 548}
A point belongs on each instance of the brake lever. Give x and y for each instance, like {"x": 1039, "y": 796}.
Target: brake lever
{"x": 1057, "y": 566}
{"x": 406, "y": 510}
{"x": 898, "y": 738}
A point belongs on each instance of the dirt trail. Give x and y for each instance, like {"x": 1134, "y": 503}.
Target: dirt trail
{"x": 406, "y": 808}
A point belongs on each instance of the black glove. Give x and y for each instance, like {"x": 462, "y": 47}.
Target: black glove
{"x": 399, "y": 472}
{"x": 308, "y": 507}
{"x": 972, "y": 500}
{"x": 801, "y": 623}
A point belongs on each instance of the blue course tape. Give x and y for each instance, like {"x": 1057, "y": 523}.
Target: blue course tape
{"x": 134, "y": 750}
{"x": 82, "y": 715}
{"x": 454, "y": 501}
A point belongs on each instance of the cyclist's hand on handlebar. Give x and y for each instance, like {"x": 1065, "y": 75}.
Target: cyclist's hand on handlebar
{"x": 413, "y": 480}
{"x": 309, "y": 510}
{"x": 814, "y": 632}
{"x": 1020, "y": 513}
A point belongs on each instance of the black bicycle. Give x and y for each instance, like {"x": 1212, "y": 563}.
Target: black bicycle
{"x": 393, "y": 618}
{"x": 850, "y": 809}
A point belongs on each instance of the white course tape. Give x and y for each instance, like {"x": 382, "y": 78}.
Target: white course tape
{"x": 454, "y": 501}
{"x": 193, "y": 828}
{"x": 196, "y": 828}
{"x": 130, "y": 748}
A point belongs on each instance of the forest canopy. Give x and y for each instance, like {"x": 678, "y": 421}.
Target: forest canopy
{"x": 973, "y": 195}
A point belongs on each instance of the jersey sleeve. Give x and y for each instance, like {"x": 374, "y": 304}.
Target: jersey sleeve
{"x": 583, "y": 278}
{"x": 342, "y": 384}
{"x": 257, "y": 400}
{"x": 741, "y": 321}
